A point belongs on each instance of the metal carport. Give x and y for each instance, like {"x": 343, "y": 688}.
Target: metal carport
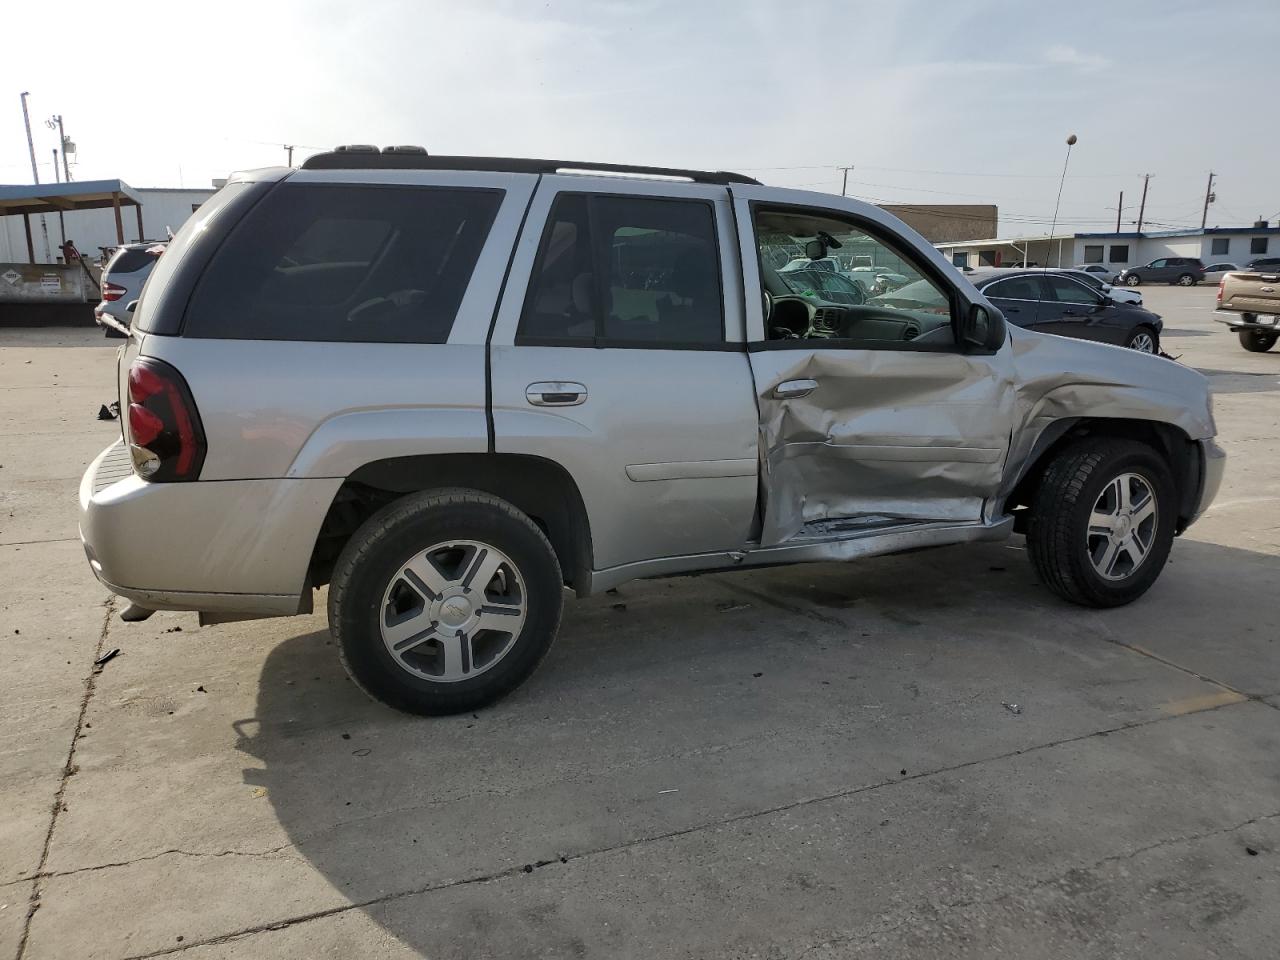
{"x": 38, "y": 198}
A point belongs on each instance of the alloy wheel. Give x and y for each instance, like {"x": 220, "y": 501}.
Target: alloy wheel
{"x": 453, "y": 611}
{"x": 1122, "y": 526}
{"x": 1143, "y": 342}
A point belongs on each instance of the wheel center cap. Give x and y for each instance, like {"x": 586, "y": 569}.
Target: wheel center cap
{"x": 455, "y": 611}
{"x": 1122, "y": 527}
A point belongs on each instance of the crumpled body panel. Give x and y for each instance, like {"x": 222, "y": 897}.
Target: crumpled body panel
{"x": 911, "y": 435}
{"x": 936, "y": 436}
{"x": 1057, "y": 378}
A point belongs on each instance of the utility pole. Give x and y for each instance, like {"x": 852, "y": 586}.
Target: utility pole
{"x": 1208, "y": 199}
{"x": 35, "y": 171}
{"x": 289, "y": 151}
{"x": 844, "y": 186}
{"x": 1142, "y": 207}
{"x": 1119, "y": 209}
{"x": 62, "y": 224}
{"x": 31, "y": 146}
{"x": 56, "y": 121}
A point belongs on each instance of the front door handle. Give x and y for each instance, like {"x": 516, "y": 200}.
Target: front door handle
{"x": 555, "y": 393}
{"x": 794, "y": 389}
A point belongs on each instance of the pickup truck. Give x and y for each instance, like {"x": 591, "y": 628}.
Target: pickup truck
{"x": 1249, "y": 303}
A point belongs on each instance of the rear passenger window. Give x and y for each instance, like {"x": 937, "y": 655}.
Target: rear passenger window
{"x": 1016, "y": 288}
{"x": 626, "y": 271}
{"x": 130, "y": 261}
{"x": 372, "y": 264}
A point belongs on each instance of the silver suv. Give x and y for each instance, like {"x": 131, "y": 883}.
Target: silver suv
{"x": 450, "y": 387}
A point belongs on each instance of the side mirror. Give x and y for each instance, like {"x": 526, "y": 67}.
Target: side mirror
{"x": 981, "y": 327}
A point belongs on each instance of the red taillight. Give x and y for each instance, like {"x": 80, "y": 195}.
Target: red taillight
{"x": 112, "y": 291}
{"x": 165, "y": 436}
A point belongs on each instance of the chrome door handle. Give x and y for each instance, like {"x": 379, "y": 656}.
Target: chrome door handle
{"x": 794, "y": 389}
{"x": 555, "y": 393}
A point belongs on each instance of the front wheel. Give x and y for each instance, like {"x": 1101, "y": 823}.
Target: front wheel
{"x": 1257, "y": 341}
{"x": 445, "y": 601}
{"x": 1144, "y": 340}
{"x": 1186, "y": 280}
{"x": 1133, "y": 280}
{"x": 1102, "y": 522}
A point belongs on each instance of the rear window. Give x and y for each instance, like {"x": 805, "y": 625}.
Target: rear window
{"x": 373, "y": 264}
{"x": 160, "y": 309}
{"x": 129, "y": 261}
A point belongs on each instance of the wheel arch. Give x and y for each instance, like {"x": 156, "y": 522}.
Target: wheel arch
{"x": 1171, "y": 442}
{"x": 538, "y": 487}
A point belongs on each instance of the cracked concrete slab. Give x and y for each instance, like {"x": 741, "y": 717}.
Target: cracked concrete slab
{"x": 14, "y": 899}
{"x": 657, "y": 702}
{"x": 935, "y": 862}
{"x": 48, "y": 628}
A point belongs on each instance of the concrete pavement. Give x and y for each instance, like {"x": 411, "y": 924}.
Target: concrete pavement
{"x": 809, "y": 761}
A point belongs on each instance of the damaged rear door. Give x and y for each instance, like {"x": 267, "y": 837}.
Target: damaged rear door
{"x": 871, "y": 415}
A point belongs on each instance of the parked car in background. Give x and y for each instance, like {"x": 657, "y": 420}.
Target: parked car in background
{"x": 1268, "y": 264}
{"x": 1069, "y": 307}
{"x": 1215, "y": 271}
{"x": 877, "y": 280}
{"x": 1103, "y": 273}
{"x": 1249, "y": 303}
{"x": 123, "y": 278}
{"x": 1184, "y": 271}
{"x": 824, "y": 285}
{"x": 618, "y": 385}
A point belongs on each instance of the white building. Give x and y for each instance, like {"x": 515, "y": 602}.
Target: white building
{"x": 163, "y": 208}
{"x": 1116, "y": 251}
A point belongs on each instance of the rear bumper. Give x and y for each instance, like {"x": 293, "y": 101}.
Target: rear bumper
{"x": 1270, "y": 323}
{"x": 232, "y": 546}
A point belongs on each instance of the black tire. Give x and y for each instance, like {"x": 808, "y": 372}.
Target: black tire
{"x": 1133, "y": 280}
{"x": 1058, "y": 532}
{"x": 1136, "y": 335}
{"x": 386, "y": 541}
{"x": 1186, "y": 280}
{"x": 1257, "y": 341}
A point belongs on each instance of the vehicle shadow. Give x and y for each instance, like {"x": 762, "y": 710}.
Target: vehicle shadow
{"x": 736, "y": 692}
{"x": 1241, "y": 381}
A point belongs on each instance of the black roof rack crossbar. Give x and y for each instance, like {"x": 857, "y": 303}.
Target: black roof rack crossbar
{"x": 421, "y": 161}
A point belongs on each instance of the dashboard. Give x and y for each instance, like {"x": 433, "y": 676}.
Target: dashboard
{"x": 802, "y": 318}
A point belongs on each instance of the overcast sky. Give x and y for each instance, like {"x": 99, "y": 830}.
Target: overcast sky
{"x": 964, "y": 102}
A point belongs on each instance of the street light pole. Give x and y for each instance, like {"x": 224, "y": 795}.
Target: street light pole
{"x": 35, "y": 171}
{"x": 1071, "y": 142}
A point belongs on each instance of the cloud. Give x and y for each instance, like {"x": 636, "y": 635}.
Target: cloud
{"x": 1065, "y": 55}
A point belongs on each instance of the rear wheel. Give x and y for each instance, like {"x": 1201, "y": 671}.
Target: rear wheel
{"x": 1186, "y": 280}
{"x": 445, "y": 601}
{"x": 1257, "y": 341}
{"x": 1102, "y": 522}
{"x": 1144, "y": 340}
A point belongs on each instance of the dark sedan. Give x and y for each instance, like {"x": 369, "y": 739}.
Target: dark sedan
{"x": 1060, "y": 304}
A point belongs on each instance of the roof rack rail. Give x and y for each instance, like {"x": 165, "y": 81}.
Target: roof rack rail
{"x": 402, "y": 159}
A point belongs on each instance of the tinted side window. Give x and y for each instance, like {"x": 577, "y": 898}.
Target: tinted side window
{"x": 368, "y": 264}
{"x": 1066, "y": 290}
{"x": 130, "y": 261}
{"x": 625, "y": 271}
{"x": 1015, "y": 288}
